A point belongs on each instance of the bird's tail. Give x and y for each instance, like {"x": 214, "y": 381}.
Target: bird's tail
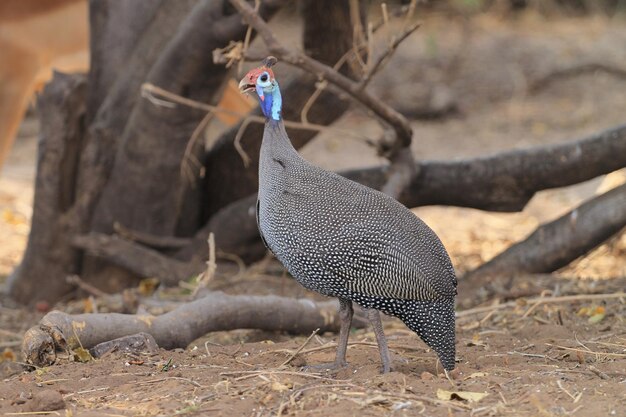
{"x": 434, "y": 322}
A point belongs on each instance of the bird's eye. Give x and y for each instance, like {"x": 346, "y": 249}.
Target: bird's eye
{"x": 264, "y": 77}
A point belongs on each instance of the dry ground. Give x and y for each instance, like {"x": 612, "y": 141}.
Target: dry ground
{"x": 532, "y": 359}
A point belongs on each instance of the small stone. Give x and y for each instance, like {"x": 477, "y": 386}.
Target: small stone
{"x": 427, "y": 376}
{"x": 46, "y": 400}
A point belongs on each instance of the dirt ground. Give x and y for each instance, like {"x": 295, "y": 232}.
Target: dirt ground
{"x": 519, "y": 358}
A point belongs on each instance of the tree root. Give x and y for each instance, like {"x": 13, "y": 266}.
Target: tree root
{"x": 59, "y": 331}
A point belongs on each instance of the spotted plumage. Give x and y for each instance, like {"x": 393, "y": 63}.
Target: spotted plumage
{"x": 345, "y": 240}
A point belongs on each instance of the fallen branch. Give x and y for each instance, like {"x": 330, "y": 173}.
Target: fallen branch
{"x": 506, "y": 181}
{"x": 150, "y": 240}
{"x": 141, "y": 260}
{"x": 569, "y": 72}
{"x": 556, "y": 244}
{"x": 215, "y": 312}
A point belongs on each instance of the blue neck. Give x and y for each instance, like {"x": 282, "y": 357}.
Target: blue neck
{"x": 272, "y": 104}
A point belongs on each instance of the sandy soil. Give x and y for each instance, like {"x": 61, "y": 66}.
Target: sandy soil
{"x": 531, "y": 359}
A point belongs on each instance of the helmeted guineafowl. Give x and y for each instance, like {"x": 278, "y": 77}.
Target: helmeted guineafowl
{"x": 345, "y": 240}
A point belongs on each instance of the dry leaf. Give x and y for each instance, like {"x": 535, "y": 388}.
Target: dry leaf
{"x": 147, "y": 286}
{"x": 82, "y": 355}
{"x": 442, "y": 394}
{"x": 8, "y": 355}
{"x": 12, "y": 218}
{"x": 427, "y": 376}
{"x": 280, "y": 387}
{"x": 596, "y": 318}
{"x": 475, "y": 375}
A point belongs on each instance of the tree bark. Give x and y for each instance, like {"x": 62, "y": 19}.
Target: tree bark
{"x": 155, "y": 137}
{"x": 49, "y": 255}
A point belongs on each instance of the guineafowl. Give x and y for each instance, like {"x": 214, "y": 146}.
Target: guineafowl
{"x": 345, "y": 240}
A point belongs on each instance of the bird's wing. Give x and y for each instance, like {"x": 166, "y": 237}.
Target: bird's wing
{"x": 258, "y": 224}
{"x": 367, "y": 262}
{"x": 375, "y": 246}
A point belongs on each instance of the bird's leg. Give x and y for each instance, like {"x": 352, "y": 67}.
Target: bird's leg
{"x": 345, "y": 315}
{"x": 377, "y": 325}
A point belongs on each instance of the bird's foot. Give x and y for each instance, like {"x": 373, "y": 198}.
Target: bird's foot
{"x": 386, "y": 368}
{"x": 331, "y": 366}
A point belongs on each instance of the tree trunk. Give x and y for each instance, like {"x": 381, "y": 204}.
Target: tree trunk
{"x": 49, "y": 256}
{"x": 109, "y": 155}
{"x": 126, "y": 164}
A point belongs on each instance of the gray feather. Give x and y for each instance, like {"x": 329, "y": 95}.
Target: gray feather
{"x": 343, "y": 239}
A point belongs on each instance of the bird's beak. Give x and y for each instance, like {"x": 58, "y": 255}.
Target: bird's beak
{"x": 245, "y": 86}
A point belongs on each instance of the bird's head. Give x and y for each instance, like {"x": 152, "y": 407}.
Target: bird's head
{"x": 261, "y": 80}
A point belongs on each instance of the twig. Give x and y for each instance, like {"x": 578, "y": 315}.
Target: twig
{"x": 358, "y": 36}
{"x": 530, "y": 355}
{"x": 85, "y": 392}
{"x": 598, "y": 372}
{"x": 372, "y": 29}
{"x": 575, "y": 398}
{"x": 617, "y": 355}
{"x": 150, "y": 90}
{"x": 294, "y": 354}
{"x": 179, "y": 378}
{"x": 75, "y": 280}
{"x": 252, "y": 374}
{"x": 246, "y": 40}
{"x": 385, "y": 13}
{"x": 147, "y": 239}
{"x": 188, "y": 157}
{"x": 400, "y": 125}
{"x": 332, "y": 345}
{"x": 233, "y": 52}
{"x": 320, "y": 86}
{"x": 211, "y": 266}
{"x": 410, "y": 12}
{"x": 542, "y": 300}
{"x": 384, "y": 57}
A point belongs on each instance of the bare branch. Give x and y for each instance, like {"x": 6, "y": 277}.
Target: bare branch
{"x": 556, "y": 244}
{"x": 399, "y": 124}
{"x": 386, "y": 55}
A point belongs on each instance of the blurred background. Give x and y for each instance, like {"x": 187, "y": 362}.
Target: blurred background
{"x": 476, "y": 78}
